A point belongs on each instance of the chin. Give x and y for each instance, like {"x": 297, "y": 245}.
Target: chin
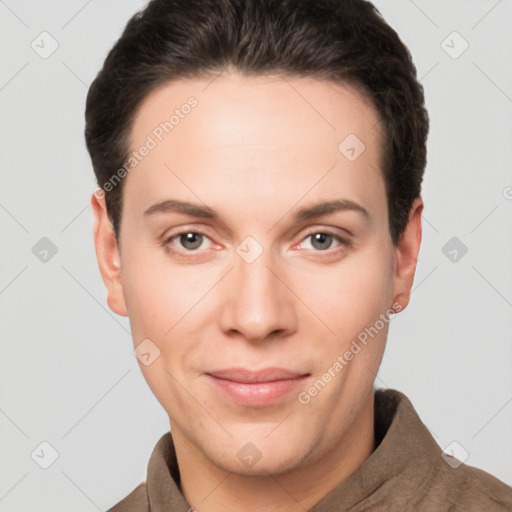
{"x": 250, "y": 461}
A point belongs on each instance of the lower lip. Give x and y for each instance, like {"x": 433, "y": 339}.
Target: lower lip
{"x": 257, "y": 394}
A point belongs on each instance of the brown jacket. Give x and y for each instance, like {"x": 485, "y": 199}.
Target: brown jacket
{"x": 405, "y": 472}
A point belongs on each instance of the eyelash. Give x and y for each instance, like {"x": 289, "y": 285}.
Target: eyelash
{"x": 344, "y": 243}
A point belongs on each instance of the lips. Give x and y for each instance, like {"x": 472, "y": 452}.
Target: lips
{"x": 256, "y": 388}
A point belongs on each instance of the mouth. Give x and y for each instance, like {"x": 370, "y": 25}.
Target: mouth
{"x": 256, "y": 388}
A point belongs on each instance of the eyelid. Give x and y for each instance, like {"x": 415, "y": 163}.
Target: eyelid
{"x": 344, "y": 241}
{"x": 168, "y": 238}
{"x": 335, "y": 231}
{"x": 185, "y": 230}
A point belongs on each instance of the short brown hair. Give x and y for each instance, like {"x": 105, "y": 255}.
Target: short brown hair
{"x": 344, "y": 41}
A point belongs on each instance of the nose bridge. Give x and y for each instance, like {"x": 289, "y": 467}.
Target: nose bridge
{"x": 258, "y": 302}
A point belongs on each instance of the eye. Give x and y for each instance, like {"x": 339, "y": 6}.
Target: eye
{"x": 321, "y": 241}
{"x": 189, "y": 240}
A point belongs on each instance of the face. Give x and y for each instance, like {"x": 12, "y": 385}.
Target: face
{"x": 255, "y": 256}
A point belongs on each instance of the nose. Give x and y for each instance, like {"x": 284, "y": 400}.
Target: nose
{"x": 256, "y": 303}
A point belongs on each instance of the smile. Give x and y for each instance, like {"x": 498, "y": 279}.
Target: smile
{"x": 256, "y": 388}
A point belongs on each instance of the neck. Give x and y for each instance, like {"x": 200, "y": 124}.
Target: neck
{"x": 208, "y": 488}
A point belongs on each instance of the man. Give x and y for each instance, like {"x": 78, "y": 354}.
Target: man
{"x": 285, "y": 141}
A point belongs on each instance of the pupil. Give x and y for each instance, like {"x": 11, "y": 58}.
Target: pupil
{"x": 322, "y": 238}
{"x": 188, "y": 240}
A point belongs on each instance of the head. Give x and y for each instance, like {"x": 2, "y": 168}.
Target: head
{"x": 260, "y": 166}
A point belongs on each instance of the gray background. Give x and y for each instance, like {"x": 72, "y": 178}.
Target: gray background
{"x": 67, "y": 372}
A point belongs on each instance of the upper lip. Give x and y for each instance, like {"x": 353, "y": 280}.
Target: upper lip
{"x": 255, "y": 376}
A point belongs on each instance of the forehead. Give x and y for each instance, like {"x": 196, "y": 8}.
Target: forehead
{"x": 232, "y": 100}
{"x": 244, "y": 131}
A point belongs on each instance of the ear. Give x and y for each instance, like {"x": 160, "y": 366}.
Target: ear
{"x": 406, "y": 256}
{"x": 107, "y": 254}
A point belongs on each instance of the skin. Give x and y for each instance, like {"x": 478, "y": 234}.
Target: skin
{"x": 256, "y": 150}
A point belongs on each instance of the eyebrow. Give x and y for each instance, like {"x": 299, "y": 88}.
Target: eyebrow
{"x": 327, "y": 207}
{"x": 306, "y": 213}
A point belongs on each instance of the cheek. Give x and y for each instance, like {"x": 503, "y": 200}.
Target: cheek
{"x": 160, "y": 302}
{"x": 150, "y": 295}
{"x": 161, "y": 297}
{"x": 352, "y": 294}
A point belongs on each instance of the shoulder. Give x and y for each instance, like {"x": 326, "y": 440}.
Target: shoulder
{"x": 136, "y": 501}
{"x": 441, "y": 482}
{"x": 468, "y": 489}
{"x": 480, "y": 489}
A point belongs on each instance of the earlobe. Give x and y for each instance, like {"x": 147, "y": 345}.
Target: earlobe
{"x": 406, "y": 252}
{"x": 107, "y": 254}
